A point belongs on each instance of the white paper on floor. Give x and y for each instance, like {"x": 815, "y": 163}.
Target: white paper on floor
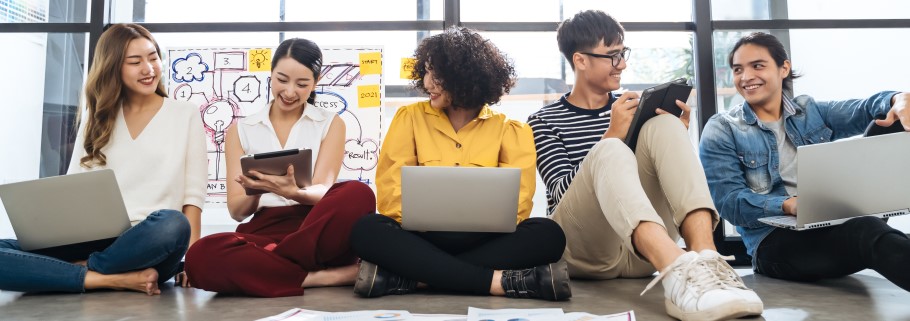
{"x": 474, "y": 314}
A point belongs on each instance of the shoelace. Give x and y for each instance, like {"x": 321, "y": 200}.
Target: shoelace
{"x": 727, "y": 273}
{"x": 698, "y": 274}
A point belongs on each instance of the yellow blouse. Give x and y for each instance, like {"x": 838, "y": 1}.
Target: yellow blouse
{"x": 422, "y": 135}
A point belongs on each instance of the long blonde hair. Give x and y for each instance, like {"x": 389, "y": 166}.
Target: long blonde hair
{"x": 104, "y": 91}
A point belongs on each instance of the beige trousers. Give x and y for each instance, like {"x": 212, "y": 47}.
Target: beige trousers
{"x": 615, "y": 189}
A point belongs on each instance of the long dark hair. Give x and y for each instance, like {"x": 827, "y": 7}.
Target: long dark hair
{"x": 775, "y": 48}
{"x": 305, "y": 52}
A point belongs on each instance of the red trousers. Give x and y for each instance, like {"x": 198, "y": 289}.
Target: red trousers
{"x": 271, "y": 255}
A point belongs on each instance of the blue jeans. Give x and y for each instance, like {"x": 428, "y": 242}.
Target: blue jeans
{"x": 159, "y": 241}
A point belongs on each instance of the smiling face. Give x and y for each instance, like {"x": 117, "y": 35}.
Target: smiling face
{"x": 291, "y": 84}
{"x": 141, "y": 69}
{"x": 757, "y": 77}
{"x": 598, "y": 73}
{"x": 439, "y": 98}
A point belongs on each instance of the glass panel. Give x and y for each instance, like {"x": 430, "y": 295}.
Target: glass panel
{"x": 163, "y": 11}
{"x": 40, "y": 105}
{"x": 207, "y": 39}
{"x": 365, "y": 10}
{"x": 847, "y": 9}
{"x": 480, "y": 10}
{"x": 510, "y": 10}
{"x": 808, "y": 9}
{"x": 826, "y": 74}
{"x": 39, "y": 11}
{"x": 740, "y": 10}
{"x": 271, "y": 11}
{"x": 535, "y": 54}
{"x": 638, "y": 11}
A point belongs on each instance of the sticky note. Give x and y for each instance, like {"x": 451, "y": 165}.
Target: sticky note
{"x": 260, "y": 59}
{"x": 407, "y": 66}
{"x": 368, "y": 96}
{"x": 371, "y": 63}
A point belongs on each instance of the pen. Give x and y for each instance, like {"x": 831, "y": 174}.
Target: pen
{"x": 606, "y": 113}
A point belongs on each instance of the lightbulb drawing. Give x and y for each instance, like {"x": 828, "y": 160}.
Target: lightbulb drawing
{"x": 217, "y": 117}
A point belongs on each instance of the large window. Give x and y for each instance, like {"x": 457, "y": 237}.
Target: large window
{"x": 843, "y": 51}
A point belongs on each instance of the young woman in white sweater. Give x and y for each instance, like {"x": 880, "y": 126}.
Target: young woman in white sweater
{"x": 156, "y": 148}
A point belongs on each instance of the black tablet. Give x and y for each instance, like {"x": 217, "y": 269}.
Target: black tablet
{"x": 874, "y": 129}
{"x": 662, "y": 96}
{"x": 276, "y": 163}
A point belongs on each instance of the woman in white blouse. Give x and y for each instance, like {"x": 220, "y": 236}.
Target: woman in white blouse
{"x": 156, "y": 148}
{"x": 297, "y": 237}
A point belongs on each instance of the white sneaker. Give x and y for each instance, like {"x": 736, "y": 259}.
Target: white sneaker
{"x": 702, "y": 286}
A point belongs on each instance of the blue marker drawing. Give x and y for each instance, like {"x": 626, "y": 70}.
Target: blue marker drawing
{"x": 189, "y": 69}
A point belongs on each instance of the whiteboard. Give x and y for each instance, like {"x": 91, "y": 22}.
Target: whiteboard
{"x": 230, "y": 83}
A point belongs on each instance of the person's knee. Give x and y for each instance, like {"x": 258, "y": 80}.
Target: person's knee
{"x": 369, "y": 226}
{"x": 552, "y": 237}
{"x": 868, "y": 228}
{"x": 357, "y": 193}
{"x": 665, "y": 120}
{"x": 664, "y": 123}
{"x": 171, "y": 225}
{"x": 608, "y": 151}
{"x": 209, "y": 250}
{"x": 355, "y": 189}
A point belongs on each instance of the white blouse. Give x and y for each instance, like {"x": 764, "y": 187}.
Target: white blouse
{"x": 258, "y": 136}
{"x": 165, "y": 167}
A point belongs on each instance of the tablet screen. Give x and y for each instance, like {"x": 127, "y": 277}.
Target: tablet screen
{"x": 276, "y": 163}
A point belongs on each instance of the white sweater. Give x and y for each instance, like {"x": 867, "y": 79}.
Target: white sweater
{"x": 165, "y": 167}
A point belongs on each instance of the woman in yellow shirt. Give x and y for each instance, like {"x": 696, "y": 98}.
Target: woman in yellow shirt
{"x": 462, "y": 73}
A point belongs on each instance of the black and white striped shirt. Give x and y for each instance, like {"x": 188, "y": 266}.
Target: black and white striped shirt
{"x": 563, "y": 134}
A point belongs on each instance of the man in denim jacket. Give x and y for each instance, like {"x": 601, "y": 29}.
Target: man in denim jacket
{"x": 751, "y": 172}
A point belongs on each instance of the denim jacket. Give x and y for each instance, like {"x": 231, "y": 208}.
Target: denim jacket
{"x": 741, "y": 159}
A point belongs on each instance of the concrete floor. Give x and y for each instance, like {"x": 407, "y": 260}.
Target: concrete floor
{"x": 864, "y": 296}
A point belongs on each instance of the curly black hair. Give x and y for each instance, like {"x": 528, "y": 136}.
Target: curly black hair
{"x": 472, "y": 70}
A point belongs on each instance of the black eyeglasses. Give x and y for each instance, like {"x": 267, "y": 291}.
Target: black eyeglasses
{"x": 614, "y": 58}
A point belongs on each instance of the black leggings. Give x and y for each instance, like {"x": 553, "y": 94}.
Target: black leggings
{"x": 457, "y": 261}
{"x": 831, "y": 252}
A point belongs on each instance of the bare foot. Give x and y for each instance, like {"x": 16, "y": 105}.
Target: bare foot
{"x": 145, "y": 281}
{"x": 336, "y": 276}
{"x": 81, "y": 262}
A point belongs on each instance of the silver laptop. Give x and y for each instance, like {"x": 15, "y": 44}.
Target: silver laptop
{"x": 459, "y": 199}
{"x": 67, "y": 217}
{"x": 841, "y": 180}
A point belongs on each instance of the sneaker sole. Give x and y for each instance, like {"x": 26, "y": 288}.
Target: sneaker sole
{"x": 363, "y": 287}
{"x": 733, "y": 310}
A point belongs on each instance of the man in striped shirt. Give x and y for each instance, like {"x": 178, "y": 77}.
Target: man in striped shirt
{"x": 623, "y": 211}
